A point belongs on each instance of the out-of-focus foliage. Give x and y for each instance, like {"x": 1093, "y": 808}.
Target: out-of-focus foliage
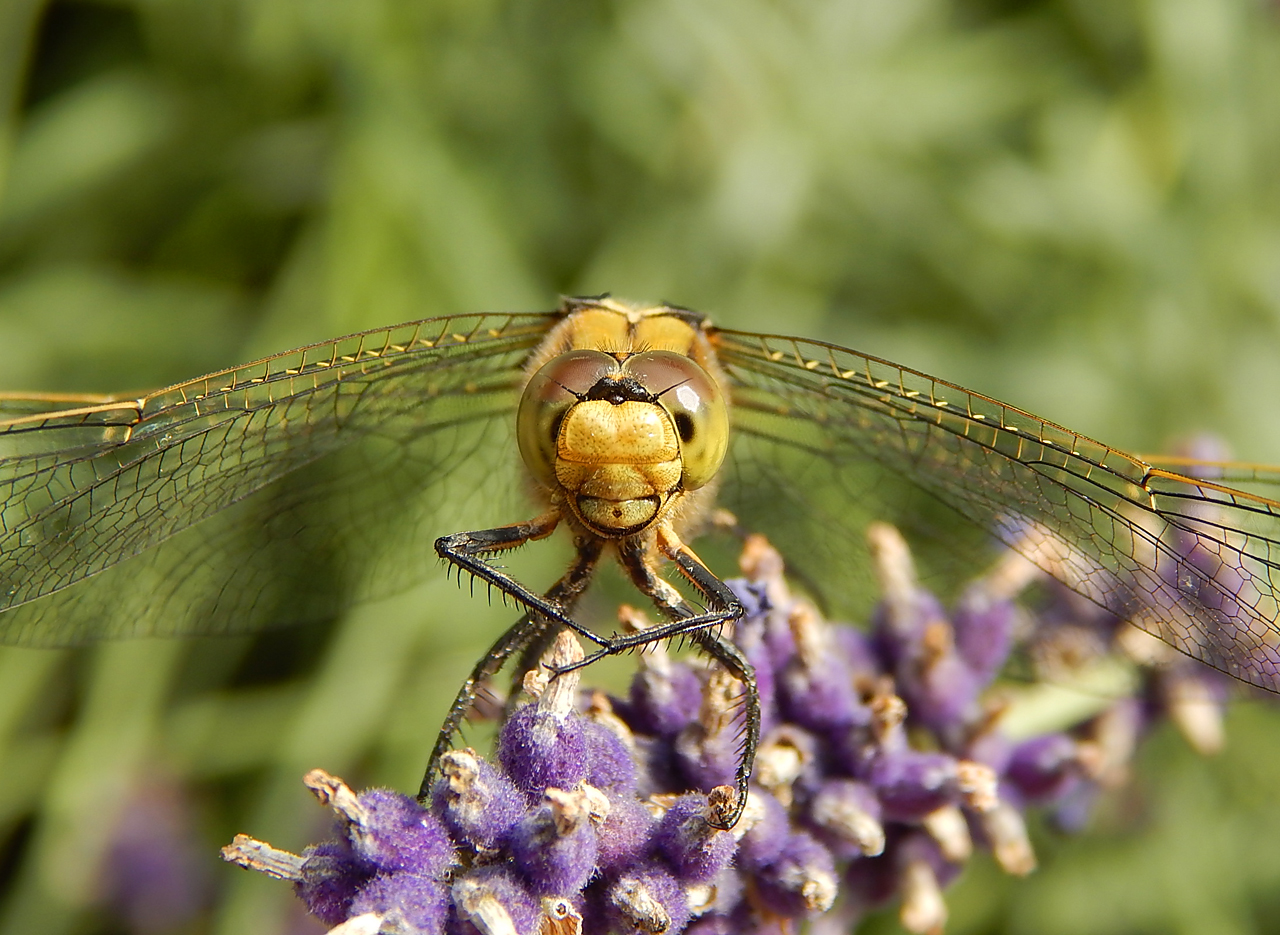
{"x": 1070, "y": 204}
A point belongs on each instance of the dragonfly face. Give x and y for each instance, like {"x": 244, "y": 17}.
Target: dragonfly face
{"x": 625, "y": 425}
{"x": 273, "y": 493}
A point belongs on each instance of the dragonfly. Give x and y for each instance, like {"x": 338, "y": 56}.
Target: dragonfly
{"x": 285, "y": 489}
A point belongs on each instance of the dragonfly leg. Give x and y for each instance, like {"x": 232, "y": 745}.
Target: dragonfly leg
{"x": 723, "y": 607}
{"x": 466, "y": 550}
{"x": 528, "y": 630}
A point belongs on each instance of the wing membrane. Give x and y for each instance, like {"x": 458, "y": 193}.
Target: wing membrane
{"x": 284, "y": 489}
{"x": 83, "y": 489}
{"x": 1188, "y": 559}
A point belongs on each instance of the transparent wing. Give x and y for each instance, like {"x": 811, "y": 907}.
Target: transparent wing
{"x": 1263, "y": 479}
{"x": 267, "y": 494}
{"x": 822, "y": 432}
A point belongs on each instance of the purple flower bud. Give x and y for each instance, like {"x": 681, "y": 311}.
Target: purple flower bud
{"x": 479, "y": 804}
{"x": 906, "y": 610}
{"x": 910, "y": 783}
{"x": 330, "y": 877}
{"x": 708, "y": 750}
{"x": 858, "y": 651}
{"x": 398, "y": 834}
{"x": 611, "y": 765}
{"x": 940, "y": 689}
{"x": 1044, "y": 768}
{"x": 992, "y": 747}
{"x": 984, "y": 622}
{"x": 848, "y": 812}
{"x": 647, "y": 900}
{"x": 414, "y": 903}
{"x": 686, "y": 838}
{"x": 665, "y": 694}
{"x": 390, "y": 831}
{"x": 554, "y": 847}
{"x": 625, "y": 833}
{"x": 547, "y": 742}
{"x": 492, "y": 899}
{"x": 801, "y": 881}
{"x": 816, "y": 689}
{"x": 763, "y": 842}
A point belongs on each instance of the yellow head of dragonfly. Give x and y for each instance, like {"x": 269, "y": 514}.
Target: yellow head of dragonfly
{"x": 624, "y": 425}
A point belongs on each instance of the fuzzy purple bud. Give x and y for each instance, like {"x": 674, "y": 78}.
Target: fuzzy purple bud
{"x": 763, "y": 842}
{"x": 905, "y": 610}
{"x": 687, "y": 839}
{"x": 478, "y": 803}
{"x": 665, "y": 694}
{"x": 708, "y": 751}
{"x": 330, "y": 877}
{"x": 414, "y": 903}
{"x": 492, "y": 899}
{"x": 611, "y": 765}
{"x": 1044, "y": 768}
{"x": 647, "y": 900}
{"x": 940, "y": 689}
{"x": 625, "y": 833}
{"x": 800, "y": 881}
{"x": 857, "y": 649}
{"x": 664, "y": 698}
{"x": 546, "y": 742}
{"x": 816, "y": 689}
{"x": 554, "y": 847}
{"x": 984, "y": 625}
{"x": 848, "y": 813}
{"x": 910, "y": 783}
{"x": 540, "y": 749}
{"x": 399, "y": 835}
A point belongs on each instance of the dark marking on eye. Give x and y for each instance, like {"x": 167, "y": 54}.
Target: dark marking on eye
{"x": 556, "y": 423}
{"x": 684, "y": 425}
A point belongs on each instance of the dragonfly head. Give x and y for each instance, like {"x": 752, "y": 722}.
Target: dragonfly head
{"x": 622, "y": 435}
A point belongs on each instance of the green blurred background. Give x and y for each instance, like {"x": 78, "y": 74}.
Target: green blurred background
{"x": 1073, "y": 205}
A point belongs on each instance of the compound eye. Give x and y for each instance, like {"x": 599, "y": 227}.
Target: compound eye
{"x": 548, "y": 396}
{"x": 697, "y": 408}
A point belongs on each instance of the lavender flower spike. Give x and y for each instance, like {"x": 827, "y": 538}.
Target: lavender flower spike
{"x": 882, "y": 769}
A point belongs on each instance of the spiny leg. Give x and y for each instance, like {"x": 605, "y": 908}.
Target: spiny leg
{"x": 466, "y": 551}
{"x": 724, "y": 607}
{"x": 530, "y": 628}
{"x": 715, "y": 645}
